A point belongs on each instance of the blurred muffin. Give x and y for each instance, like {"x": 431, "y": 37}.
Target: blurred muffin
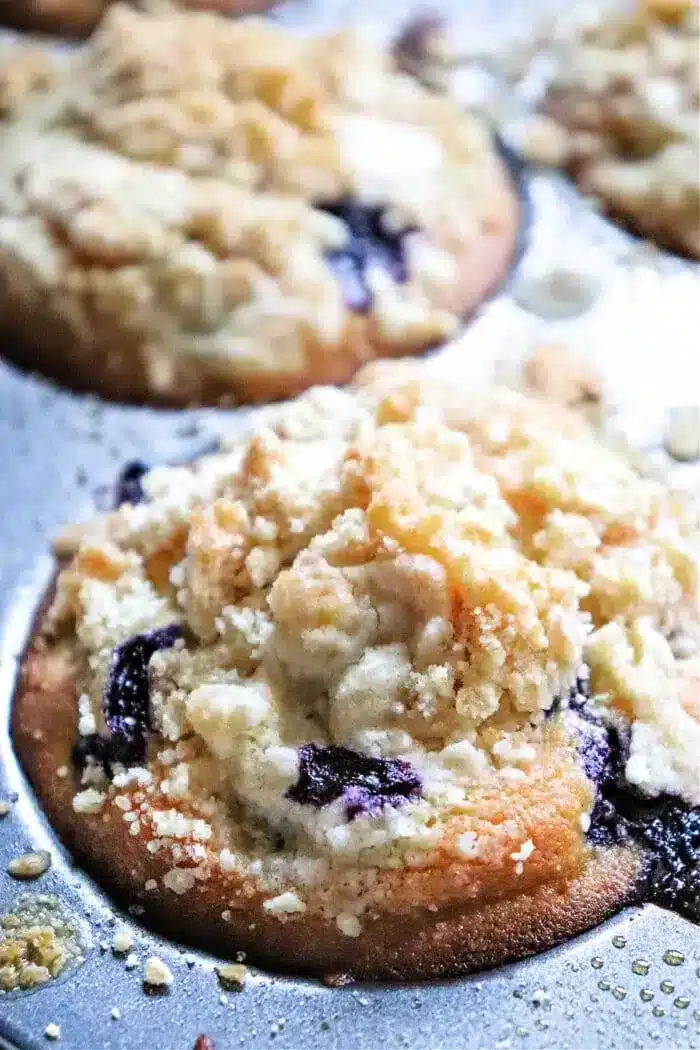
{"x": 622, "y": 116}
{"x": 201, "y": 208}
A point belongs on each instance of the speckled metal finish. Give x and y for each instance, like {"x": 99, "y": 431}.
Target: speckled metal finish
{"x": 56, "y": 452}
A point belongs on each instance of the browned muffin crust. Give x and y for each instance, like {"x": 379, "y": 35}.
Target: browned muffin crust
{"x": 403, "y": 943}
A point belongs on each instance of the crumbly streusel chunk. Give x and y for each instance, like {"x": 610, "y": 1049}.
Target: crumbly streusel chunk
{"x": 404, "y": 571}
{"x": 623, "y": 115}
{"x": 23, "y": 71}
{"x": 201, "y": 194}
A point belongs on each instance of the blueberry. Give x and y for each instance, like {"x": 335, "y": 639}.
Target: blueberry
{"x": 365, "y": 784}
{"x": 369, "y": 243}
{"x": 126, "y": 696}
{"x": 667, "y": 830}
{"x": 670, "y": 832}
{"x": 128, "y": 488}
{"x": 126, "y": 703}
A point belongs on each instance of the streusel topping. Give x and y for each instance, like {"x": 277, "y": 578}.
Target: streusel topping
{"x": 355, "y": 619}
{"x": 229, "y": 191}
{"x": 626, "y": 110}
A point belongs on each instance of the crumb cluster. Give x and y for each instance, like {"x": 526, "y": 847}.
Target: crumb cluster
{"x": 38, "y": 941}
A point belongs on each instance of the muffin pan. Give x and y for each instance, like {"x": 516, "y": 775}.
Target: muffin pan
{"x": 635, "y": 981}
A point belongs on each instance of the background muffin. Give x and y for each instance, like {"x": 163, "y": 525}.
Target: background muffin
{"x": 201, "y": 208}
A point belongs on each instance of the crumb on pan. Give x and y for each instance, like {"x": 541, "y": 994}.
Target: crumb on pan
{"x": 555, "y": 372}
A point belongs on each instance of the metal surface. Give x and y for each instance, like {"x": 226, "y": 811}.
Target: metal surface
{"x": 57, "y": 450}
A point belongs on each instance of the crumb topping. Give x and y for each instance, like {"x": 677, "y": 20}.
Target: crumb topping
{"x": 191, "y": 181}
{"x": 382, "y": 592}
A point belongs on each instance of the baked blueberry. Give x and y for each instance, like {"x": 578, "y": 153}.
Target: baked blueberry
{"x": 128, "y": 487}
{"x": 370, "y": 243}
{"x": 364, "y": 783}
{"x": 126, "y": 696}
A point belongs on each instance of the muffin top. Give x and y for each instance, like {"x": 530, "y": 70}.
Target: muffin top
{"x": 355, "y": 621}
{"x": 227, "y": 190}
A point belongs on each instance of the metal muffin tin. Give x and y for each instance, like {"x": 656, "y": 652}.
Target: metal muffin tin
{"x": 59, "y": 451}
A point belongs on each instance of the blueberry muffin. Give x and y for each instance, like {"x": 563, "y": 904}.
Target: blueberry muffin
{"x": 622, "y": 116}
{"x": 202, "y": 209}
{"x": 385, "y": 687}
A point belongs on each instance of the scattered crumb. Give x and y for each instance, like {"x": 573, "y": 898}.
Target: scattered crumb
{"x": 131, "y": 961}
{"x": 555, "y": 372}
{"x": 539, "y": 997}
{"x": 53, "y": 1031}
{"x": 122, "y": 942}
{"x": 190, "y": 960}
{"x": 115, "y": 1013}
{"x": 4, "y": 808}
{"x": 38, "y": 940}
{"x": 157, "y": 974}
{"x": 62, "y": 772}
{"x": 232, "y": 975}
{"x": 557, "y": 294}
{"x": 30, "y": 865}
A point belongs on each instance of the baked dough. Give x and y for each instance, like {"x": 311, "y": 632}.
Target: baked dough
{"x": 356, "y": 694}
{"x": 202, "y": 209}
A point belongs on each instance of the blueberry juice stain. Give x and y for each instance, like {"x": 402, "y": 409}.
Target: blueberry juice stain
{"x": 126, "y": 702}
{"x": 665, "y": 828}
{"x": 370, "y": 243}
